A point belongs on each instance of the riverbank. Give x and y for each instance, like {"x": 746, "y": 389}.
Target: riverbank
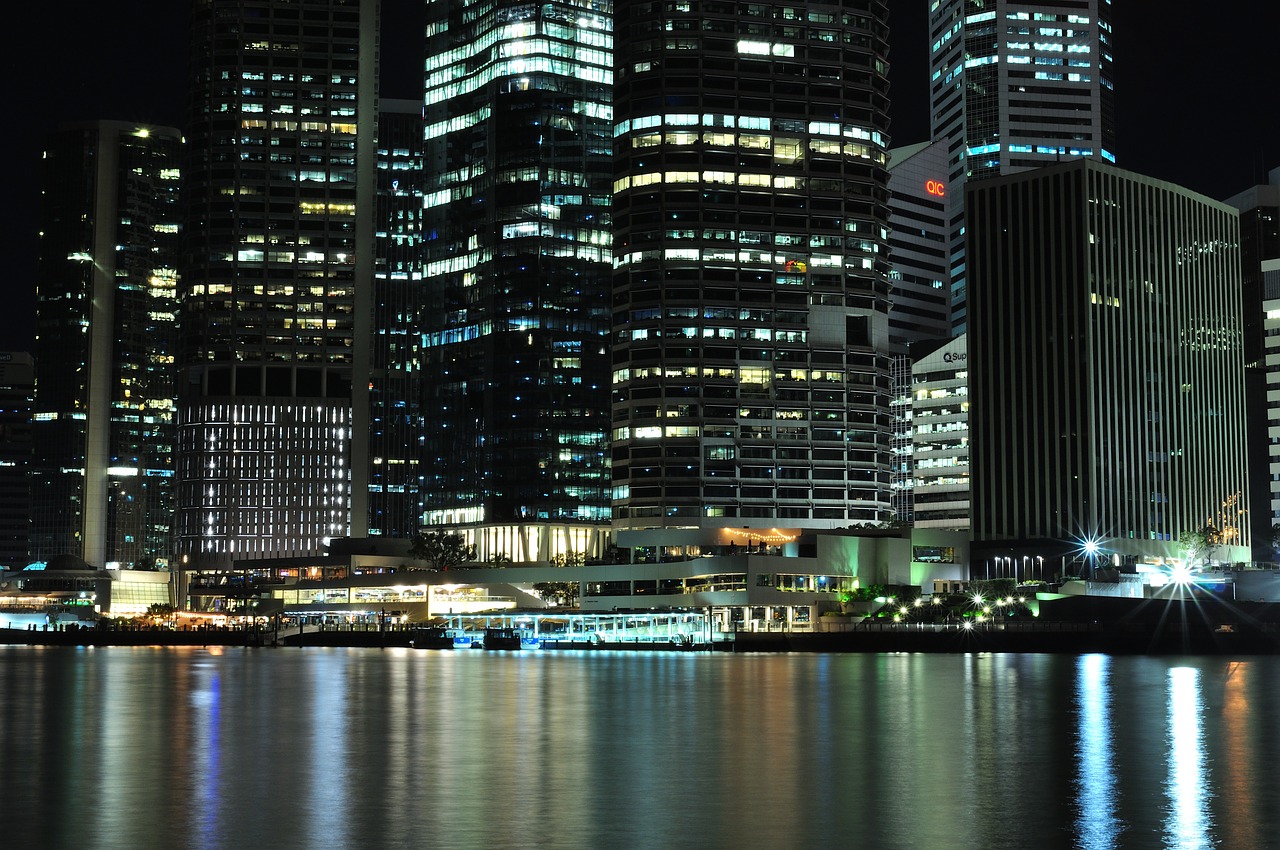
{"x": 1069, "y": 638}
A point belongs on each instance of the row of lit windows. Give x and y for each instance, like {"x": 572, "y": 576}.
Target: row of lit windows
{"x": 791, "y": 262}
{"x": 785, "y": 149}
{"x": 833, "y": 129}
{"x": 747, "y": 376}
{"x": 335, "y": 79}
{"x": 763, "y": 237}
{"x": 753, "y": 334}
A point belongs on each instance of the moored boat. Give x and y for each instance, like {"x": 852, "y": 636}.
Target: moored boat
{"x": 432, "y": 637}
{"x": 502, "y": 638}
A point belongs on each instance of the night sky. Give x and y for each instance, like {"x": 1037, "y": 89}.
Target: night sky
{"x": 1195, "y": 95}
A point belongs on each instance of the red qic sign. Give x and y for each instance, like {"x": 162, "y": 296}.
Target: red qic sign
{"x": 936, "y": 187}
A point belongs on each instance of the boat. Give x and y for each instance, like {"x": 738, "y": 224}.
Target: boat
{"x": 431, "y": 637}
{"x": 502, "y": 639}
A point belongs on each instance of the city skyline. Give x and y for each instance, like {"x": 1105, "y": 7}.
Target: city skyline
{"x": 404, "y": 64}
{"x": 98, "y": 66}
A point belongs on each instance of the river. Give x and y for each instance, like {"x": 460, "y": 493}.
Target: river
{"x": 334, "y": 748}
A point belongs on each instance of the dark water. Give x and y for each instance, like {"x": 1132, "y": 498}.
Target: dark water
{"x": 314, "y": 748}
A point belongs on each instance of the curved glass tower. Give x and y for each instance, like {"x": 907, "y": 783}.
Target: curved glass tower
{"x": 751, "y": 381}
{"x": 516, "y": 235}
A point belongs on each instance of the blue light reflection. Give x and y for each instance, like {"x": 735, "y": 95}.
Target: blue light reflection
{"x": 1097, "y": 827}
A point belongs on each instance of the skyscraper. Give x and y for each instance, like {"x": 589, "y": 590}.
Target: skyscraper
{"x": 17, "y": 385}
{"x": 1259, "y": 209}
{"x": 1014, "y": 86}
{"x": 395, "y": 393}
{"x": 1106, "y": 365}
{"x": 277, "y": 281}
{"x": 920, "y": 297}
{"x": 751, "y": 291}
{"x": 101, "y": 475}
{"x": 920, "y": 301}
{"x": 516, "y": 320}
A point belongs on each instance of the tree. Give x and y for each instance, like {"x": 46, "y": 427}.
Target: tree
{"x": 442, "y": 550}
{"x": 1198, "y": 544}
{"x": 161, "y": 612}
{"x": 559, "y": 593}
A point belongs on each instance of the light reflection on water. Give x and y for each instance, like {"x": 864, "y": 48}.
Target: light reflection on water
{"x": 1188, "y": 824}
{"x": 1097, "y": 827}
{"x": 394, "y": 748}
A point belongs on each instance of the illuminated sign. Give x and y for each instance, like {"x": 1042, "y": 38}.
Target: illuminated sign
{"x": 936, "y": 187}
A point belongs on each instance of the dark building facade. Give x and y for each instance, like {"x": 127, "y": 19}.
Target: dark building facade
{"x": 1106, "y": 366}
{"x": 277, "y": 278}
{"x": 395, "y": 394}
{"x": 751, "y": 289}
{"x": 102, "y": 430}
{"x": 920, "y": 300}
{"x": 516, "y": 236}
{"x": 1260, "y": 255}
{"x": 17, "y": 386}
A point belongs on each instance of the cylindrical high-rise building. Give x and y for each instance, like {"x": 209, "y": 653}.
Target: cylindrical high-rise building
{"x": 751, "y": 381}
{"x": 276, "y": 287}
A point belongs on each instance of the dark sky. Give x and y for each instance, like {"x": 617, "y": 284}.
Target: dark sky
{"x": 1194, "y": 92}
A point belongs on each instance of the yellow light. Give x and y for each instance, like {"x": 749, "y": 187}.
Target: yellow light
{"x": 771, "y": 535}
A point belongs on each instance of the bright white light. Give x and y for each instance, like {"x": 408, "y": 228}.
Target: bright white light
{"x": 1091, "y": 547}
{"x": 1181, "y": 574}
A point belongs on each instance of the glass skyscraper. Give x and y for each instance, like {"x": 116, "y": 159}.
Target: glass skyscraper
{"x": 102, "y": 430}
{"x": 1013, "y": 86}
{"x": 277, "y": 279}
{"x": 518, "y": 118}
{"x": 751, "y": 291}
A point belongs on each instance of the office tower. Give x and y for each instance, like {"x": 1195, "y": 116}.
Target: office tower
{"x": 1266, "y": 514}
{"x": 1106, "y": 367}
{"x": 940, "y": 436}
{"x": 102, "y": 430}
{"x": 277, "y": 283}
{"x": 516, "y": 319}
{"x": 920, "y": 297}
{"x": 751, "y": 291}
{"x": 1016, "y": 86}
{"x": 919, "y": 301}
{"x": 17, "y": 385}
{"x": 395, "y": 417}
{"x": 1260, "y": 257}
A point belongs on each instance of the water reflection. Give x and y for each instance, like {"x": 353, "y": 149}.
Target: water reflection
{"x": 1097, "y": 827}
{"x": 397, "y": 748}
{"x": 1188, "y": 822}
